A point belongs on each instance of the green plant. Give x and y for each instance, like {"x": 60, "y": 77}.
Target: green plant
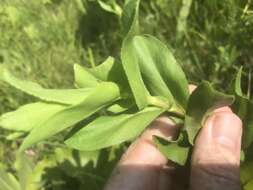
{"x": 118, "y": 99}
{"x": 63, "y": 168}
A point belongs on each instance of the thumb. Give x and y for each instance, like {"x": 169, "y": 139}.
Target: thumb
{"x": 216, "y": 155}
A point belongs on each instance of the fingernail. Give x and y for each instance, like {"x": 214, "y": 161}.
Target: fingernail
{"x": 226, "y": 130}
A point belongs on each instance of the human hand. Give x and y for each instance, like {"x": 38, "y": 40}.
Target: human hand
{"x": 214, "y": 164}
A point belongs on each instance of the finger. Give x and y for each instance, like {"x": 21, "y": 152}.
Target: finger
{"x": 143, "y": 166}
{"x": 216, "y": 155}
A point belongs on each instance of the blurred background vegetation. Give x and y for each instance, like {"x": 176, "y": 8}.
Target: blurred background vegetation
{"x": 40, "y": 40}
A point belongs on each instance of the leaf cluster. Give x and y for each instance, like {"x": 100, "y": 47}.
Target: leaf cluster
{"x": 118, "y": 99}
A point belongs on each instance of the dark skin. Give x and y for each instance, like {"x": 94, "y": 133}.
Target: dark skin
{"x": 214, "y": 164}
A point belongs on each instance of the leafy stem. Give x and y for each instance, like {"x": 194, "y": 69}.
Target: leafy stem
{"x": 171, "y": 107}
{"x": 158, "y": 102}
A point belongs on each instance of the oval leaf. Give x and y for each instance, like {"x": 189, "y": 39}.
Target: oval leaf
{"x": 103, "y": 95}
{"x": 28, "y": 116}
{"x": 202, "y": 102}
{"x": 111, "y": 7}
{"x": 129, "y": 19}
{"x": 172, "y": 150}
{"x": 111, "y": 130}
{"x": 64, "y": 96}
{"x": 162, "y": 74}
{"x": 102, "y": 71}
{"x": 130, "y": 64}
{"x": 108, "y": 71}
{"x": 83, "y": 78}
{"x": 149, "y": 65}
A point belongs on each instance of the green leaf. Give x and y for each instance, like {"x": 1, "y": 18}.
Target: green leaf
{"x": 102, "y": 71}
{"x": 111, "y": 7}
{"x": 83, "y": 78}
{"x": 24, "y": 167}
{"x": 173, "y": 150}
{"x": 111, "y": 130}
{"x": 64, "y": 96}
{"x": 121, "y": 106}
{"x": 238, "y": 88}
{"x": 109, "y": 70}
{"x": 149, "y": 64}
{"x": 129, "y": 20}
{"x": 158, "y": 64}
{"x": 102, "y": 96}
{"x": 133, "y": 73}
{"x": 28, "y": 116}
{"x": 201, "y": 103}
{"x": 8, "y": 181}
{"x": 14, "y": 136}
{"x": 243, "y": 107}
{"x": 30, "y": 174}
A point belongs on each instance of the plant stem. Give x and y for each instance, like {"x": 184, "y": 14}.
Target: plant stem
{"x": 91, "y": 57}
{"x": 173, "y": 108}
{"x": 156, "y": 101}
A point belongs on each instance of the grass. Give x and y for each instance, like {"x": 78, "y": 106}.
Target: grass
{"x": 41, "y": 39}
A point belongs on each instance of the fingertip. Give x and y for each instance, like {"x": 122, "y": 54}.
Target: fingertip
{"x": 143, "y": 151}
{"x": 216, "y": 155}
{"x": 223, "y": 128}
{"x": 223, "y": 109}
{"x": 141, "y": 166}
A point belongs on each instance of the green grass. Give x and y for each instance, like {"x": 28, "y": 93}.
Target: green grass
{"x": 211, "y": 42}
{"x": 40, "y": 40}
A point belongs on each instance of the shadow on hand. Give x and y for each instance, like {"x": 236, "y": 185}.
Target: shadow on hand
{"x": 174, "y": 177}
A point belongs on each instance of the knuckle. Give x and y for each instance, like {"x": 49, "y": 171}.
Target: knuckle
{"x": 217, "y": 176}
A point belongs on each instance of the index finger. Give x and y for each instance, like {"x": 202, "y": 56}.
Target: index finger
{"x": 142, "y": 166}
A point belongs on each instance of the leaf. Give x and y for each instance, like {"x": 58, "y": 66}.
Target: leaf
{"x": 158, "y": 63}
{"x": 173, "y": 150}
{"x": 111, "y": 7}
{"x": 149, "y": 65}
{"x": 24, "y": 167}
{"x": 103, "y": 70}
{"x": 64, "y": 96}
{"x": 109, "y": 70}
{"x": 28, "y": 116}
{"x": 83, "y": 78}
{"x": 103, "y": 95}
{"x": 243, "y": 107}
{"x": 121, "y": 106}
{"x": 80, "y": 6}
{"x": 129, "y": 20}
{"x": 8, "y": 181}
{"x": 112, "y": 130}
{"x": 201, "y": 103}
{"x": 30, "y": 175}
{"x": 14, "y": 136}
{"x": 238, "y": 88}
{"x": 133, "y": 73}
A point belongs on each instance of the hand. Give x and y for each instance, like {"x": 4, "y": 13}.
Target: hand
{"x": 214, "y": 164}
